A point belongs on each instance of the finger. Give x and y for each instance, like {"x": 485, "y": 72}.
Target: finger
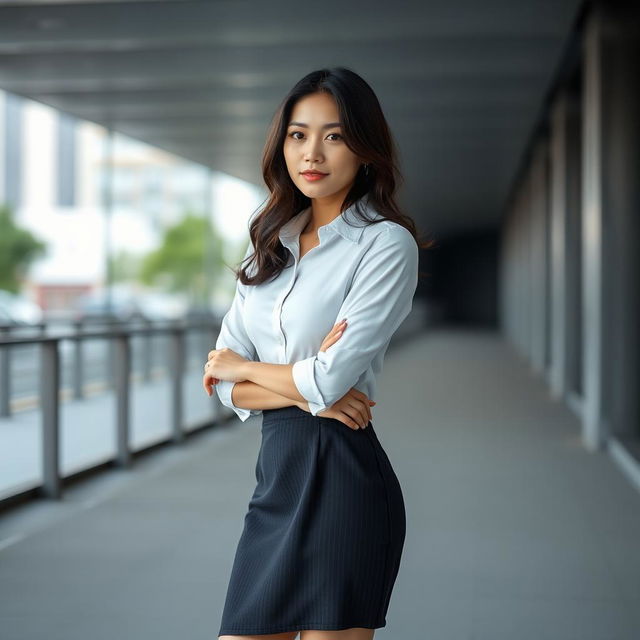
{"x": 208, "y": 381}
{"x": 364, "y": 412}
{"x": 349, "y": 421}
{"x": 359, "y": 417}
{"x": 344, "y": 415}
{"x": 361, "y": 403}
{"x": 329, "y": 340}
{"x": 340, "y": 327}
{"x": 368, "y": 404}
{"x": 365, "y": 416}
{"x": 364, "y": 409}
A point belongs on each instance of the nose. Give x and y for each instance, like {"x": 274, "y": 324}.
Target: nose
{"x": 312, "y": 152}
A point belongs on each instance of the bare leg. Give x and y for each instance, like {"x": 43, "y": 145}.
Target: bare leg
{"x": 355, "y": 633}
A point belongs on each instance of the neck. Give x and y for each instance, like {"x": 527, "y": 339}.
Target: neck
{"x": 324, "y": 210}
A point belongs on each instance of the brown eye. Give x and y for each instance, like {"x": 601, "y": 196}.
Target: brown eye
{"x": 335, "y": 134}
{"x": 293, "y": 133}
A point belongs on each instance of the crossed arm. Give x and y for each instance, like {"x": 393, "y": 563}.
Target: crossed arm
{"x": 271, "y": 386}
{"x": 250, "y": 395}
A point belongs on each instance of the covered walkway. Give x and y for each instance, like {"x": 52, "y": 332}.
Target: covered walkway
{"x": 514, "y": 529}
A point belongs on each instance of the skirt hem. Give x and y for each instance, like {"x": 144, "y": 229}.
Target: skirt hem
{"x": 308, "y": 626}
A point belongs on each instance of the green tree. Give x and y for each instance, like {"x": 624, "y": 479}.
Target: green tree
{"x": 179, "y": 263}
{"x": 125, "y": 266}
{"x": 19, "y": 248}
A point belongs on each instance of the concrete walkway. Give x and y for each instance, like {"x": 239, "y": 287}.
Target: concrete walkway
{"x": 515, "y": 531}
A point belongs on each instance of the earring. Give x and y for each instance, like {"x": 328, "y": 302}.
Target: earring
{"x": 366, "y": 169}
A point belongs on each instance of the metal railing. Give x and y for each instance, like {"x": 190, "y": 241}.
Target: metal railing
{"x": 119, "y": 336}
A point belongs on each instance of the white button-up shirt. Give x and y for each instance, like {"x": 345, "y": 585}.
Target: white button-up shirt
{"x": 367, "y": 274}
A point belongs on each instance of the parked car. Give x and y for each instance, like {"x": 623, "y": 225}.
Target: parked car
{"x": 129, "y": 305}
{"x": 16, "y": 309}
{"x": 156, "y": 305}
{"x": 95, "y": 306}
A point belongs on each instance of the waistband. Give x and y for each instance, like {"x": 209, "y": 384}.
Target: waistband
{"x": 286, "y": 412}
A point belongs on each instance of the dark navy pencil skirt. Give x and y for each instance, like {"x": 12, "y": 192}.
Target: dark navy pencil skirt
{"x": 323, "y": 533}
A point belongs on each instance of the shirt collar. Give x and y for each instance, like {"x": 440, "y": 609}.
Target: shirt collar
{"x": 342, "y": 224}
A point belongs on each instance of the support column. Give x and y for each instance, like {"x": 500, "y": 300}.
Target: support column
{"x": 538, "y": 261}
{"x": 592, "y": 234}
{"x": 610, "y": 227}
{"x": 564, "y": 180}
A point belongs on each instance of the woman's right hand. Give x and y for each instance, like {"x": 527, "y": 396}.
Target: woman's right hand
{"x": 354, "y": 408}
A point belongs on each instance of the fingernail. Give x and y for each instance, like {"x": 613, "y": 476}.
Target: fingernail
{"x": 343, "y": 320}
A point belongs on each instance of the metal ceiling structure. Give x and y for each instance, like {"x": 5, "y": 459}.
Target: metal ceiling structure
{"x": 461, "y": 81}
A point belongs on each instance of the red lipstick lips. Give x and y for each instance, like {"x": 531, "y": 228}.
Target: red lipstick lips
{"x": 312, "y": 175}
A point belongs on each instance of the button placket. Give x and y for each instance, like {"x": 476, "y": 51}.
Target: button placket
{"x": 278, "y": 314}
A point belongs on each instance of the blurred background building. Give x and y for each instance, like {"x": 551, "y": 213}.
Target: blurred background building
{"x": 101, "y": 203}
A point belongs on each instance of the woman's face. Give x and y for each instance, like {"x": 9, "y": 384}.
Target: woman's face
{"x": 314, "y": 141}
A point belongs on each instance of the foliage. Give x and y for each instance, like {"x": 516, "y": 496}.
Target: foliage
{"x": 187, "y": 259}
{"x": 125, "y": 266}
{"x": 19, "y": 248}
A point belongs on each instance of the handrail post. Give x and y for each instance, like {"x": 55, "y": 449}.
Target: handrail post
{"x": 122, "y": 369}
{"x": 49, "y": 388}
{"x": 111, "y": 370}
{"x": 176, "y": 364}
{"x": 5, "y": 374}
{"x": 78, "y": 372}
{"x": 147, "y": 353}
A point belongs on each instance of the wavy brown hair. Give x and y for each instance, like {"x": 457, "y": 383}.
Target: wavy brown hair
{"x": 365, "y": 132}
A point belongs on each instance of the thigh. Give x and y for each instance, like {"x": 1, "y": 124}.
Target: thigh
{"x": 290, "y": 635}
{"x": 355, "y": 633}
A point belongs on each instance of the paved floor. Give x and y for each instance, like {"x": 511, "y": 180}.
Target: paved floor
{"x": 515, "y": 531}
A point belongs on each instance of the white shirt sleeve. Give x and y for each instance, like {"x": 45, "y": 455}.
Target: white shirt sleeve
{"x": 379, "y": 299}
{"x": 234, "y": 336}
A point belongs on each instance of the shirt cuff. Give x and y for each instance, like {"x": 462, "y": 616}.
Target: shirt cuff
{"x": 224, "y": 389}
{"x": 304, "y": 379}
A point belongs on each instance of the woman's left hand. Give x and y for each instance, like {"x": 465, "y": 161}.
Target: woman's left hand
{"x": 222, "y": 364}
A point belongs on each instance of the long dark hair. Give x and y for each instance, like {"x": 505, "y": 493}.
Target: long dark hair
{"x": 365, "y": 132}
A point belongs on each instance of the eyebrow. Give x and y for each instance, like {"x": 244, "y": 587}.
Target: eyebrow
{"x": 329, "y": 125}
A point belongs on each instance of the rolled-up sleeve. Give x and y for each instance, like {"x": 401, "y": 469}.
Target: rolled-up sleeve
{"x": 379, "y": 299}
{"x": 233, "y": 335}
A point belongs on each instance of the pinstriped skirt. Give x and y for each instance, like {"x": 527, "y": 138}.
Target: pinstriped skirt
{"x": 324, "y": 530}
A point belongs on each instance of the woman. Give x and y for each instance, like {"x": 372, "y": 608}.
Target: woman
{"x": 325, "y": 527}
